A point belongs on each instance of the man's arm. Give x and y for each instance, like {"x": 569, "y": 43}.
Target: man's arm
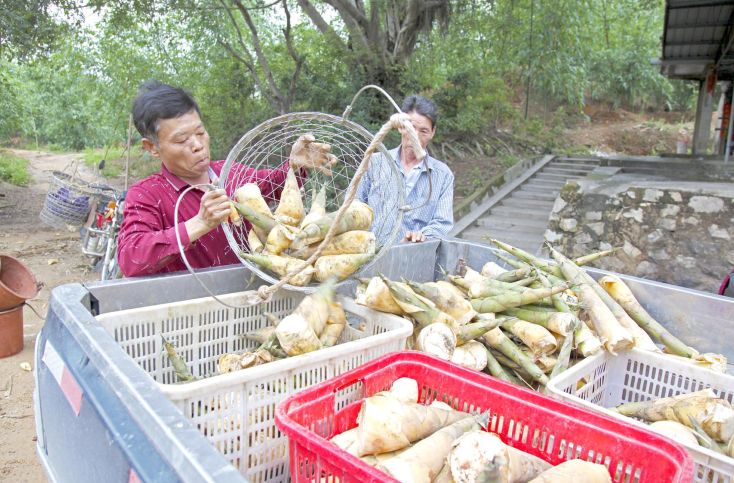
{"x": 443, "y": 219}
{"x": 145, "y": 246}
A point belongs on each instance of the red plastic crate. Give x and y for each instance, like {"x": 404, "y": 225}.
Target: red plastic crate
{"x": 527, "y": 420}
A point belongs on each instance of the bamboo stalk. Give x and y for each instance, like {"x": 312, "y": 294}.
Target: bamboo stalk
{"x": 592, "y": 257}
{"x": 514, "y": 275}
{"x": 642, "y": 340}
{"x": 538, "y": 339}
{"x": 183, "y": 374}
{"x": 514, "y": 299}
{"x": 496, "y": 339}
{"x": 583, "y": 340}
{"x": 513, "y": 263}
{"x": 564, "y": 355}
{"x": 257, "y": 219}
{"x": 528, "y": 258}
{"x": 423, "y": 314}
{"x": 518, "y": 372}
{"x": 558, "y": 322}
{"x": 587, "y": 343}
{"x": 615, "y": 337}
{"x": 619, "y": 291}
{"x": 473, "y": 330}
{"x": 494, "y": 368}
{"x": 546, "y": 266}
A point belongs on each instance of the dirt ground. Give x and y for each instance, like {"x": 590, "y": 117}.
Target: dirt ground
{"x": 622, "y": 132}
{"x": 55, "y": 257}
{"x": 600, "y": 131}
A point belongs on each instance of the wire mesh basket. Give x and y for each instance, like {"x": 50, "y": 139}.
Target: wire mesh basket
{"x": 68, "y": 201}
{"x": 268, "y": 146}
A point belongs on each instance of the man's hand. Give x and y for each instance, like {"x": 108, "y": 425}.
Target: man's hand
{"x": 213, "y": 210}
{"x": 307, "y": 153}
{"x": 414, "y": 236}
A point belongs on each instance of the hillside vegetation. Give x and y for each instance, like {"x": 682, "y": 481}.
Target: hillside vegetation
{"x": 510, "y": 77}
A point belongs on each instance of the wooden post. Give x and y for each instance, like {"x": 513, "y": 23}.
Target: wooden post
{"x": 704, "y": 109}
{"x": 129, "y": 147}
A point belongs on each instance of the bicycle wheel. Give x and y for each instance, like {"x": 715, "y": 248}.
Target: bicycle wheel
{"x": 110, "y": 267}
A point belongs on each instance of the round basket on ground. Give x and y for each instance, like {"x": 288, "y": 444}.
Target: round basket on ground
{"x": 268, "y": 147}
{"x": 68, "y": 201}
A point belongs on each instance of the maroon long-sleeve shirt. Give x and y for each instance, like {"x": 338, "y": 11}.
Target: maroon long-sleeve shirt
{"x": 147, "y": 243}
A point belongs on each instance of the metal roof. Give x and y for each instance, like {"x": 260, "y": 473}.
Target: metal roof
{"x": 698, "y": 34}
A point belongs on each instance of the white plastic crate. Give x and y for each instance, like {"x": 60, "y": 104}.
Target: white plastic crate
{"x": 604, "y": 381}
{"x": 236, "y": 411}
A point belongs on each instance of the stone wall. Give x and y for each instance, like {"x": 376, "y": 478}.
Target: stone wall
{"x": 675, "y": 232}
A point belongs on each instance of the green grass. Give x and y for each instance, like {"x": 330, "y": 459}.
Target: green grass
{"x": 92, "y": 156}
{"x": 508, "y": 160}
{"x": 13, "y": 169}
{"x": 30, "y": 145}
{"x": 115, "y": 156}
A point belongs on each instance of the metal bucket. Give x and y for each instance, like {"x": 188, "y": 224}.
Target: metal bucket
{"x": 17, "y": 283}
{"x": 11, "y": 331}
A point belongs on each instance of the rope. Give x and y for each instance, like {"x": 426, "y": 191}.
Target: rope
{"x": 397, "y": 121}
{"x": 264, "y": 293}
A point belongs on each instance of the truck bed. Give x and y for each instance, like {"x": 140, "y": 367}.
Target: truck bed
{"x": 100, "y": 417}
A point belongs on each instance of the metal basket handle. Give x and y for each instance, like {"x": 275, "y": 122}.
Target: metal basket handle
{"x": 398, "y": 121}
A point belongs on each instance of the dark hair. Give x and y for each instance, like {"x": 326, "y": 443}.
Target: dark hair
{"x": 157, "y": 101}
{"x": 422, "y": 106}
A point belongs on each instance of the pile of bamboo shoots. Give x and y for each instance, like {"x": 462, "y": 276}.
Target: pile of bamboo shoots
{"x": 282, "y": 240}
{"x": 525, "y": 325}
{"x": 699, "y": 418}
{"x": 316, "y": 323}
{"x": 416, "y": 443}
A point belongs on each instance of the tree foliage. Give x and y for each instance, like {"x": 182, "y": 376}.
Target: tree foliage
{"x": 29, "y": 27}
{"x": 71, "y": 82}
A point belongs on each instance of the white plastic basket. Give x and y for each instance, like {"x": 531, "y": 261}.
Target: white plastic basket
{"x": 604, "y": 381}
{"x": 236, "y": 411}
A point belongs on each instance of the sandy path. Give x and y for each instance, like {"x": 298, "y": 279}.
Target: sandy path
{"x": 54, "y": 256}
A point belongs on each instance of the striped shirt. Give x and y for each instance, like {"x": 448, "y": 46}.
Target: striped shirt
{"x": 433, "y": 217}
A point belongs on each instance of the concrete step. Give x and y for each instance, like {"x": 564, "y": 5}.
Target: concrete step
{"x": 576, "y": 160}
{"x": 530, "y": 188}
{"x": 510, "y": 227}
{"x": 525, "y": 203}
{"x": 510, "y": 221}
{"x": 568, "y": 171}
{"x": 648, "y": 171}
{"x": 543, "y": 184}
{"x": 529, "y": 244}
{"x": 521, "y": 218}
{"x": 580, "y": 166}
{"x": 556, "y": 176}
{"x": 476, "y": 234}
{"x": 535, "y": 195}
{"x": 528, "y": 215}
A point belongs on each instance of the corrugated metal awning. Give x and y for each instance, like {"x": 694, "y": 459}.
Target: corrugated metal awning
{"x": 698, "y": 34}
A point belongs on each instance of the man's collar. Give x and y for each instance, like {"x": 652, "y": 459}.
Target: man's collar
{"x": 177, "y": 182}
{"x": 423, "y": 165}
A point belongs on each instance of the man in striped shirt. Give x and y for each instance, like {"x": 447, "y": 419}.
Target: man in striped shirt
{"x": 428, "y": 182}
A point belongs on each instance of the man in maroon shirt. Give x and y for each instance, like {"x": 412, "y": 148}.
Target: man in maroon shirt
{"x": 169, "y": 121}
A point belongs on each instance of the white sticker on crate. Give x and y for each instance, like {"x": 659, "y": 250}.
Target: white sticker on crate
{"x": 65, "y": 380}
